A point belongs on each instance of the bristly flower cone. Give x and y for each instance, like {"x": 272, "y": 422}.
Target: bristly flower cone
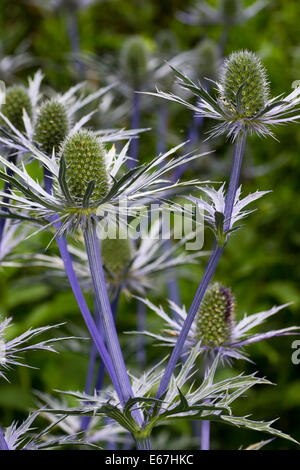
{"x": 230, "y": 8}
{"x": 134, "y": 57}
{"x": 215, "y": 316}
{"x": 51, "y": 126}
{"x": 208, "y": 59}
{"x": 116, "y": 255}
{"x": 16, "y": 100}
{"x": 85, "y": 162}
{"x": 244, "y": 87}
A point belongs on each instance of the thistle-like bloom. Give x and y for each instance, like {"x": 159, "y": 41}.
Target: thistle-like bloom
{"x": 86, "y": 183}
{"x": 242, "y": 102}
{"x": 215, "y": 325}
{"x": 16, "y": 101}
{"x": 214, "y": 209}
{"x": 10, "y": 350}
{"x": 51, "y": 126}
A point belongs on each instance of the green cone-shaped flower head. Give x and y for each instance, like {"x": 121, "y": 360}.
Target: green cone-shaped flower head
{"x": 230, "y": 8}
{"x": 134, "y": 57}
{"x": 215, "y": 316}
{"x": 16, "y": 100}
{"x": 244, "y": 87}
{"x": 208, "y": 59}
{"x": 51, "y": 126}
{"x": 116, "y": 254}
{"x": 85, "y": 162}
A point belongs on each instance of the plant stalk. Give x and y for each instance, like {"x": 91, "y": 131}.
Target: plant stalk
{"x": 103, "y": 305}
{"x": 211, "y": 267}
{"x": 3, "y": 443}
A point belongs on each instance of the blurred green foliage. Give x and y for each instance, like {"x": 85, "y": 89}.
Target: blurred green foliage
{"x": 261, "y": 263}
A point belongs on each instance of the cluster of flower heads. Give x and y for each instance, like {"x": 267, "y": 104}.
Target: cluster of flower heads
{"x": 88, "y": 182}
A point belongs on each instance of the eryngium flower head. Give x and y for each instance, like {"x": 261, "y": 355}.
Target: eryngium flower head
{"x": 207, "y": 59}
{"x": 242, "y": 103}
{"x": 116, "y": 255}
{"x": 16, "y": 100}
{"x": 241, "y": 332}
{"x": 230, "y": 9}
{"x": 243, "y": 87}
{"x": 215, "y": 316}
{"x": 134, "y": 57}
{"x": 84, "y": 156}
{"x": 51, "y": 126}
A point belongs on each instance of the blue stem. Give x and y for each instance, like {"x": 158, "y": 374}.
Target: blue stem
{"x": 205, "y": 435}
{"x": 7, "y": 188}
{"x": 193, "y": 135}
{"x": 103, "y": 305}
{"x": 3, "y": 443}
{"x": 101, "y": 371}
{"x": 85, "y": 420}
{"x": 211, "y": 267}
{"x": 89, "y": 321}
{"x": 73, "y": 32}
{"x": 141, "y": 326}
{"x": 162, "y": 129}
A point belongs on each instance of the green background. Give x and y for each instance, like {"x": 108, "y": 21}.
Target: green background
{"x": 261, "y": 263}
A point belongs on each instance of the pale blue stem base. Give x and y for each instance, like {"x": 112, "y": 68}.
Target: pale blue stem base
{"x": 3, "y": 443}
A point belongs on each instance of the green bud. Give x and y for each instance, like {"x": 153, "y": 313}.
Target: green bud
{"x": 230, "y": 8}
{"x": 116, "y": 255}
{"x": 244, "y": 84}
{"x": 215, "y": 316}
{"x": 16, "y": 100}
{"x": 134, "y": 57}
{"x": 85, "y": 162}
{"x": 167, "y": 43}
{"x": 208, "y": 59}
{"x": 51, "y": 126}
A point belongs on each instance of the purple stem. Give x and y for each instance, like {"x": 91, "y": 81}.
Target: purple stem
{"x": 94, "y": 332}
{"x": 104, "y": 308}
{"x": 141, "y": 326}
{"x": 193, "y": 135}
{"x": 7, "y": 188}
{"x": 73, "y": 32}
{"x": 135, "y": 124}
{"x": 177, "y": 351}
{"x": 3, "y": 443}
{"x": 239, "y": 149}
{"x": 211, "y": 267}
{"x": 162, "y": 128}
{"x": 89, "y": 321}
{"x": 101, "y": 371}
{"x": 205, "y": 435}
{"x": 85, "y": 421}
